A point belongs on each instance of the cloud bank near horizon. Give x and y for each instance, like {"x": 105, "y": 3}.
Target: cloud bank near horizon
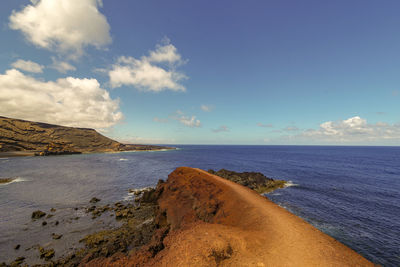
{"x": 354, "y": 130}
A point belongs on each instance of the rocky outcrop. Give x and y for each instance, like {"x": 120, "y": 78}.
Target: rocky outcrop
{"x": 48, "y": 139}
{"x": 253, "y": 180}
{"x": 205, "y": 220}
{"x": 6, "y": 180}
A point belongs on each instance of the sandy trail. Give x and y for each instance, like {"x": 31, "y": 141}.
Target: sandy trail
{"x": 259, "y": 233}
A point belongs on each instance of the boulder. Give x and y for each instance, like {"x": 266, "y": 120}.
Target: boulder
{"x": 38, "y": 214}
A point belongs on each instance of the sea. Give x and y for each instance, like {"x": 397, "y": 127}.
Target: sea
{"x": 349, "y": 193}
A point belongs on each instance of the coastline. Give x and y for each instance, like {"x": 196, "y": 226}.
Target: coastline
{"x": 13, "y": 154}
{"x": 200, "y": 219}
{"x": 206, "y": 220}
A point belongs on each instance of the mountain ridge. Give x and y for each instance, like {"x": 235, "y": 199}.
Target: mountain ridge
{"x": 18, "y": 135}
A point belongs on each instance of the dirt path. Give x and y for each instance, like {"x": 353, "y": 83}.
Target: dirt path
{"x": 215, "y": 222}
{"x": 254, "y": 232}
{"x": 290, "y": 241}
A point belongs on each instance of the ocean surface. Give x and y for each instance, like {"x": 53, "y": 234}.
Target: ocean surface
{"x": 350, "y": 193}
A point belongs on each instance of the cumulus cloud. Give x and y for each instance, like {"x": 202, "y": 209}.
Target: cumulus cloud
{"x": 61, "y": 66}
{"x": 28, "y": 66}
{"x": 222, "y": 128}
{"x": 264, "y": 125}
{"x": 354, "y": 129}
{"x": 189, "y": 121}
{"x": 206, "y": 108}
{"x": 63, "y": 25}
{"x": 68, "y": 101}
{"x": 156, "y": 72}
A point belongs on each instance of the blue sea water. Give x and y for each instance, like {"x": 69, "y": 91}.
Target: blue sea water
{"x": 350, "y": 193}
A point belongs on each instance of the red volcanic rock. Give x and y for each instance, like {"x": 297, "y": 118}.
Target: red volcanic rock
{"x": 205, "y": 220}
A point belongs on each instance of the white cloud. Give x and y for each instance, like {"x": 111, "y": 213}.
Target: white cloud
{"x": 61, "y": 66}
{"x": 264, "y": 125}
{"x": 147, "y": 73}
{"x": 63, "y": 25}
{"x": 206, "y": 108}
{"x": 222, "y": 128}
{"x": 165, "y": 53}
{"x": 189, "y": 121}
{"x": 28, "y": 66}
{"x": 352, "y": 130}
{"x": 68, "y": 101}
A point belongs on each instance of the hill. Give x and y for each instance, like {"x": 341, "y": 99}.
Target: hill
{"x": 27, "y": 136}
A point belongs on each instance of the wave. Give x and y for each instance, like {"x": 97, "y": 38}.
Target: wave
{"x": 275, "y": 194}
{"x": 129, "y": 196}
{"x": 136, "y": 192}
{"x": 122, "y": 159}
{"x": 290, "y": 183}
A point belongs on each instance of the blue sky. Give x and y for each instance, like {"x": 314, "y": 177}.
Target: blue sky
{"x": 206, "y": 72}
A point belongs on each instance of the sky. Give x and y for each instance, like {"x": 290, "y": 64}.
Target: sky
{"x": 274, "y": 72}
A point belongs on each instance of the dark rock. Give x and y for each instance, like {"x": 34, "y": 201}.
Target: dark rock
{"x": 56, "y": 223}
{"x": 46, "y": 254}
{"x": 92, "y": 208}
{"x": 94, "y": 200}
{"x": 253, "y": 180}
{"x": 118, "y": 204}
{"x": 55, "y": 236}
{"x": 18, "y": 261}
{"x": 38, "y": 214}
{"x": 52, "y": 210}
{"x": 17, "y": 247}
{"x": 44, "y": 223}
{"x": 124, "y": 214}
{"x": 5, "y": 180}
{"x": 149, "y": 196}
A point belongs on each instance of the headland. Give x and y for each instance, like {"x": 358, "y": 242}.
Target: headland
{"x": 196, "y": 218}
{"x": 27, "y": 138}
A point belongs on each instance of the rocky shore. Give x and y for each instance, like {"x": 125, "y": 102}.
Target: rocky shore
{"x": 6, "y": 180}
{"x": 253, "y": 180}
{"x": 197, "y": 218}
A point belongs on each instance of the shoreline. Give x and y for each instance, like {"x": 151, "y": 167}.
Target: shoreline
{"x": 13, "y": 154}
{"x": 200, "y": 219}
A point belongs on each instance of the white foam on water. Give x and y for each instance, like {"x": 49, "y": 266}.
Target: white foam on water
{"x": 122, "y": 159}
{"x": 129, "y": 197}
{"x": 275, "y": 194}
{"x": 290, "y": 183}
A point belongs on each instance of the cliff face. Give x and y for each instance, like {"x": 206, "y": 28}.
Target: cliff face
{"x": 21, "y": 135}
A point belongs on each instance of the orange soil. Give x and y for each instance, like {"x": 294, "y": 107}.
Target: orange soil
{"x": 215, "y": 222}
